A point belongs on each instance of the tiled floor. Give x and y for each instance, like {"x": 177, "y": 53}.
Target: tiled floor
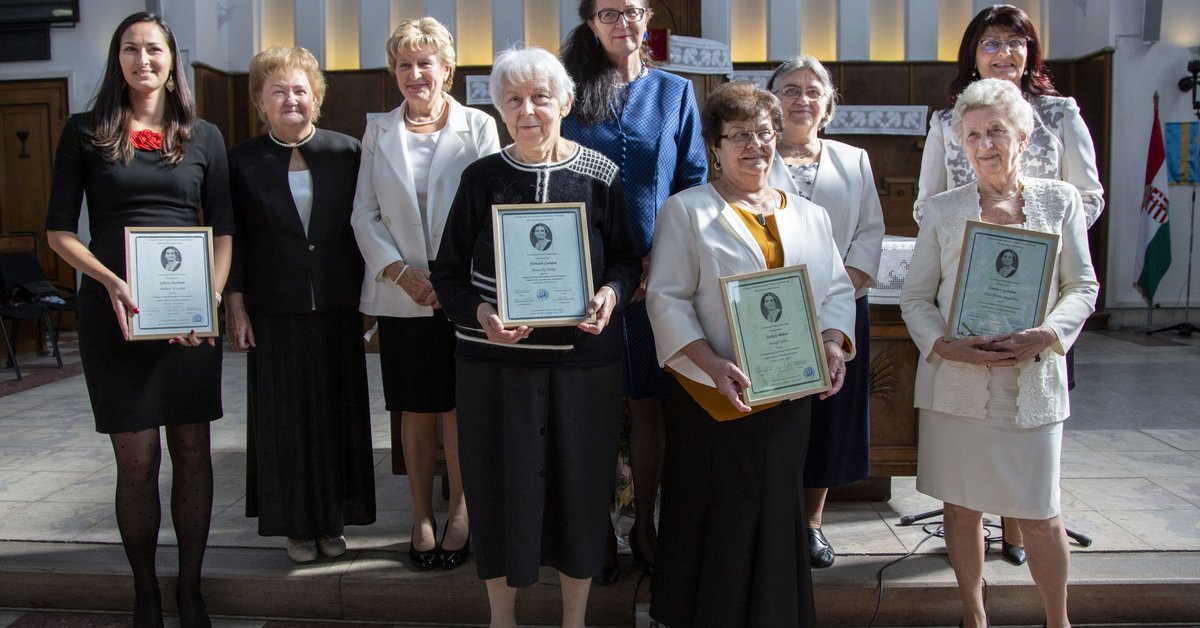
{"x": 1131, "y": 463}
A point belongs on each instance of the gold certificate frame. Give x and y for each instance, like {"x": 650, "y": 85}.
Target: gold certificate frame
{"x": 170, "y": 275}
{"x": 543, "y": 264}
{"x": 1003, "y": 282}
{"x": 776, "y": 336}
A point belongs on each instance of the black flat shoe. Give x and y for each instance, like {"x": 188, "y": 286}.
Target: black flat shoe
{"x": 820, "y": 552}
{"x": 454, "y": 558}
{"x": 424, "y": 560}
{"x": 1014, "y": 554}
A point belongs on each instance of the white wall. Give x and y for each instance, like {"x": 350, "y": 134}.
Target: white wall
{"x": 1139, "y": 71}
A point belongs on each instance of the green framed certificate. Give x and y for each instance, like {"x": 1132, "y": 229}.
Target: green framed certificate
{"x": 1004, "y": 280}
{"x": 543, "y": 264}
{"x": 170, "y": 275}
{"x": 776, "y": 339}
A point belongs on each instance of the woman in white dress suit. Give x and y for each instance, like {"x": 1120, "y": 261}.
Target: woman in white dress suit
{"x": 733, "y": 546}
{"x": 837, "y": 177}
{"x": 992, "y": 407}
{"x": 1000, "y": 42}
{"x": 411, "y": 162}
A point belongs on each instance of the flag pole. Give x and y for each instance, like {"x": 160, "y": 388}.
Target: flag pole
{"x": 1186, "y": 328}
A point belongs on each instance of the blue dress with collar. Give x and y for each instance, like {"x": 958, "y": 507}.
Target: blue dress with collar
{"x": 653, "y": 135}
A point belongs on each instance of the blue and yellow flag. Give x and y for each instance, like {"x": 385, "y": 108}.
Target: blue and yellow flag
{"x": 1180, "y": 140}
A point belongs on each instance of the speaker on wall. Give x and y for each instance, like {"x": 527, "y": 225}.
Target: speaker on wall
{"x": 1151, "y": 21}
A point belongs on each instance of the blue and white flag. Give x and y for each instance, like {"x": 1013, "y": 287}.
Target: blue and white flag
{"x": 1180, "y": 140}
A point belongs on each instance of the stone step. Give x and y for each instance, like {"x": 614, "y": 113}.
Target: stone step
{"x": 373, "y": 586}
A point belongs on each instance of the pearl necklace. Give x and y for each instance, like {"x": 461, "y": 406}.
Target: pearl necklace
{"x": 311, "y": 134}
{"x": 435, "y": 118}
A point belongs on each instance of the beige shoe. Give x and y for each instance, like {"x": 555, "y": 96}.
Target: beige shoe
{"x": 332, "y": 547}
{"x": 302, "y": 550}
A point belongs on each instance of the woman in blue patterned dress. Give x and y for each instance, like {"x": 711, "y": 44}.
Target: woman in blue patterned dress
{"x": 646, "y": 121}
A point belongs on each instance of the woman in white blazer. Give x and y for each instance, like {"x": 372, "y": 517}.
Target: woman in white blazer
{"x": 411, "y": 162}
{"x": 1001, "y": 42}
{"x": 992, "y": 407}
{"x": 733, "y": 550}
{"x": 837, "y": 177}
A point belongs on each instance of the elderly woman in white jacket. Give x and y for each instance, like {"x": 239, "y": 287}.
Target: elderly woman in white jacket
{"x": 411, "y": 162}
{"x": 837, "y": 177}
{"x": 733, "y": 544}
{"x": 992, "y": 407}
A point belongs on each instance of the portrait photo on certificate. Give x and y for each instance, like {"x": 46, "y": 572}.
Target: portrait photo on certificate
{"x": 1004, "y": 280}
{"x": 543, "y": 264}
{"x": 170, "y": 275}
{"x": 776, "y": 338}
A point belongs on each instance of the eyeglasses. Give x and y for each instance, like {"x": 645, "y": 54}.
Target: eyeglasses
{"x": 794, "y": 93}
{"x": 741, "y": 139}
{"x": 610, "y": 16}
{"x": 992, "y": 46}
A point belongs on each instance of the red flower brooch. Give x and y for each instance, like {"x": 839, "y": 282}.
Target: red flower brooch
{"x": 146, "y": 140}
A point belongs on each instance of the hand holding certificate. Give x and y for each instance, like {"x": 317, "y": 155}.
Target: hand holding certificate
{"x": 1004, "y": 280}
{"x": 776, "y": 339}
{"x": 543, "y": 264}
{"x": 170, "y": 275}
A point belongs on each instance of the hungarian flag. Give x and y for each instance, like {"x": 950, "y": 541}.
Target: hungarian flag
{"x": 1154, "y": 234}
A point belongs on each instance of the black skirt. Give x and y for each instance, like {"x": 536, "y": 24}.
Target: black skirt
{"x": 310, "y": 469}
{"x": 733, "y": 542}
{"x": 839, "y": 444}
{"x": 147, "y": 383}
{"x": 538, "y": 451}
{"x": 416, "y": 360}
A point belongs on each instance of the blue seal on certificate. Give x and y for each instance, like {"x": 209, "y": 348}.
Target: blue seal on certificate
{"x": 542, "y": 294}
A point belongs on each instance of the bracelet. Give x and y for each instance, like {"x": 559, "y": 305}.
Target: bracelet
{"x": 399, "y": 275}
{"x": 218, "y": 297}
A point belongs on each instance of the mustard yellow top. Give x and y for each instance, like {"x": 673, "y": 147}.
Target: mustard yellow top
{"x": 767, "y": 238}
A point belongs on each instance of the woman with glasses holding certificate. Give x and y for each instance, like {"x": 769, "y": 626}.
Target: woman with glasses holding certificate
{"x": 142, "y": 158}
{"x": 733, "y": 544}
{"x": 992, "y": 406}
{"x": 646, "y": 121}
{"x": 1002, "y": 43}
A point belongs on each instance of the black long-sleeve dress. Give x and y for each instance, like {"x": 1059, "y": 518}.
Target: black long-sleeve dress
{"x": 309, "y": 467}
{"x": 143, "y": 384}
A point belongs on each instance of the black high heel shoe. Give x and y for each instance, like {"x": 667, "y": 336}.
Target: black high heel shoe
{"x": 1014, "y": 554}
{"x": 424, "y": 560}
{"x": 454, "y": 558}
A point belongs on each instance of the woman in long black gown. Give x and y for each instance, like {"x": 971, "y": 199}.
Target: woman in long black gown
{"x": 142, "y": 158}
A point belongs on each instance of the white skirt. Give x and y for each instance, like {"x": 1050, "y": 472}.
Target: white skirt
{"x": 991, "y": 465}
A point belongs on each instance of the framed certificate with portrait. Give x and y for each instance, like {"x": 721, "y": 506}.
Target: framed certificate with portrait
{"x": 170, "y": 275}
{"x": 543, "y": 264}
{"x": 1004, "y": 280}
{"x": 776, "y": 338}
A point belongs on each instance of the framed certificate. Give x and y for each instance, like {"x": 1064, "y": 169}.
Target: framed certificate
{"x": 1003, "y": 281}
{"x": 170, "y": 276}
{"x": 543, "y": 264}
{"x": 776, "y": 339}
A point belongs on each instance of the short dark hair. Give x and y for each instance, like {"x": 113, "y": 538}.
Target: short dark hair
{"x": 1035, "y": 82}
{"x": 736, "y": 102}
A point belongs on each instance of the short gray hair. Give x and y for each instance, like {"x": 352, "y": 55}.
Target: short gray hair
{"x": 998, "y": 94}
{"x": 810, "y": 63}
{"x": 519, "y": 65}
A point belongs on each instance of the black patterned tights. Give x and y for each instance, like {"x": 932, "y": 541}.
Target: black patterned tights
{"x": 138, "y": 457}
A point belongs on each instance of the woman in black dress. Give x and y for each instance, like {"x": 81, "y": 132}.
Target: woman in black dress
{"x": 309, "y": 469}
{"x": 141, "y": 158}
{"x": 540, "y": 407}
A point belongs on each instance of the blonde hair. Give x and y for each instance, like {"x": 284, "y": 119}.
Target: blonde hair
{"x": 418, "y": 33}
{"x": 276, "y": 58}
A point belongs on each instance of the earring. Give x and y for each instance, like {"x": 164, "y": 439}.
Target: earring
{"x": 974, "y": 74}
{"x": 170, "y": 84}
{"x": 645, "y": 35}
{"x": 716, "y": 165}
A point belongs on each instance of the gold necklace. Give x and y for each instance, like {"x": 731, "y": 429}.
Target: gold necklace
{"x": 797, "y": 151}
